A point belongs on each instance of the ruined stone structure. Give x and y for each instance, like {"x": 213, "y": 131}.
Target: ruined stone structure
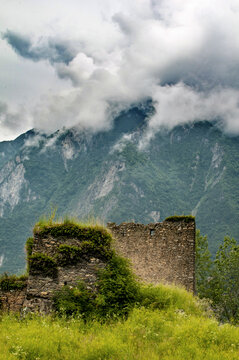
{"x": 159, "y": 252}
{"x": 41, "y": 288}
{"x": 12, "y": 300}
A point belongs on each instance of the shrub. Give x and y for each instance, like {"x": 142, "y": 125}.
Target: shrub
{"x": 163, "y": 297}
{"x": 74, "y": 301}
{"x": 42, "y": 264}
{"x": 118, "y": 289}
{"x": 117, "y": 293}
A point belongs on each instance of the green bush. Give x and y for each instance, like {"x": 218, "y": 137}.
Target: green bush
{"x": 164, "y": 297}
{"x": 12, "y": 282}
{"x": 42, "y": 264}
{"x": 74, "y": 301}
{"x": 218, "y": 280}
{"x": 117, "y": 293}
{"x": 118, "y": 289}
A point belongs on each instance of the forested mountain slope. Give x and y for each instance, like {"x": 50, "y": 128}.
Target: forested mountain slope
{"x": 190, "y": 169}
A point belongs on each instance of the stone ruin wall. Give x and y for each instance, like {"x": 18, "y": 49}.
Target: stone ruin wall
{"x": 12, "y": 300}
{"x": 159, "y": 252}
{"x": 41, "y": 288}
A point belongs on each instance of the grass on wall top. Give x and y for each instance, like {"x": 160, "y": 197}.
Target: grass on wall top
{"x": 176, "y": 218}
{"x": 71, "y": 227}
{"x": 94, "y": 239}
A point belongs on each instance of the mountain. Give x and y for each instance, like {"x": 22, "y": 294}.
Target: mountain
{"x": 190, "y": 169}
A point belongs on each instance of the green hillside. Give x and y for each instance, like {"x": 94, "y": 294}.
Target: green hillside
{"x": 190, "y": 169}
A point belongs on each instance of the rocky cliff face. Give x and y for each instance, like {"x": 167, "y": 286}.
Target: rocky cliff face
{"x": 192, "y": 169}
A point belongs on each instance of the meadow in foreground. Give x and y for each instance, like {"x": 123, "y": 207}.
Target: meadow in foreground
{"x": 168, "y": 324}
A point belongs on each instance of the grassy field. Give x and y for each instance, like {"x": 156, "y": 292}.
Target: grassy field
{"x": 171, "y": 324}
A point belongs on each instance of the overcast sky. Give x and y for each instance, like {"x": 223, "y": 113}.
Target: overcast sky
{"x": 79, "y": 63}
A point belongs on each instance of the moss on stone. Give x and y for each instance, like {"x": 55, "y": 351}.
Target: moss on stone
{"x": 185, "y": 218}
{"x": 70, "y": 255}
{"x": 96, "y": 234}
{"x": 94, "y": 240}
{"x": 13, "y": 282}
{"x": 43, "y": 265}
{"x": 29, "y": 246}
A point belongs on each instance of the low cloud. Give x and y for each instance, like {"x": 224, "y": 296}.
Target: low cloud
{"x": 13, "y": 122}
{"x": 180, "y": 104}
{"x": 78, "y": 70}
{"x": 54, "y": 50}
{"x": 182, "y": 55}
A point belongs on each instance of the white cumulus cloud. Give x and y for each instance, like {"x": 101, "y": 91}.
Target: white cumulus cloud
{"x": 109, "y": 55}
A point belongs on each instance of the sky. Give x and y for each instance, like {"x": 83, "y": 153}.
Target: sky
{"x": 66, "y": 63}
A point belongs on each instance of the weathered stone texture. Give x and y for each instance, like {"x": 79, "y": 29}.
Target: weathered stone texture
{"x": 41, "y": 288}
{"x": 159, "y": 252}
{"x": 12, "y": 300}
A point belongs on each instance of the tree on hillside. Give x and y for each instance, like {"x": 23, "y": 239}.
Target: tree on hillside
{"x": 218, "y": 280}
{"x": 204, "y": 265}
{"x": 225, "y": 281}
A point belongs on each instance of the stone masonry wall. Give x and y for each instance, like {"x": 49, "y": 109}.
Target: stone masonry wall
{"x": 41, "y": 288}
{"x": 159, "y": 252}
{"x": 12, "y": 300}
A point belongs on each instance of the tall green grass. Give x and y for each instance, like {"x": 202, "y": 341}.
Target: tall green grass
{"x": 52, "y": 220}
{"x": 147, "y": 322}
{"x": 170, "y": 325}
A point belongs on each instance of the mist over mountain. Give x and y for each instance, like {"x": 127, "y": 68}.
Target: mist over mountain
{"x": 192, "y": 168}
{"x": 80, "y": 64}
